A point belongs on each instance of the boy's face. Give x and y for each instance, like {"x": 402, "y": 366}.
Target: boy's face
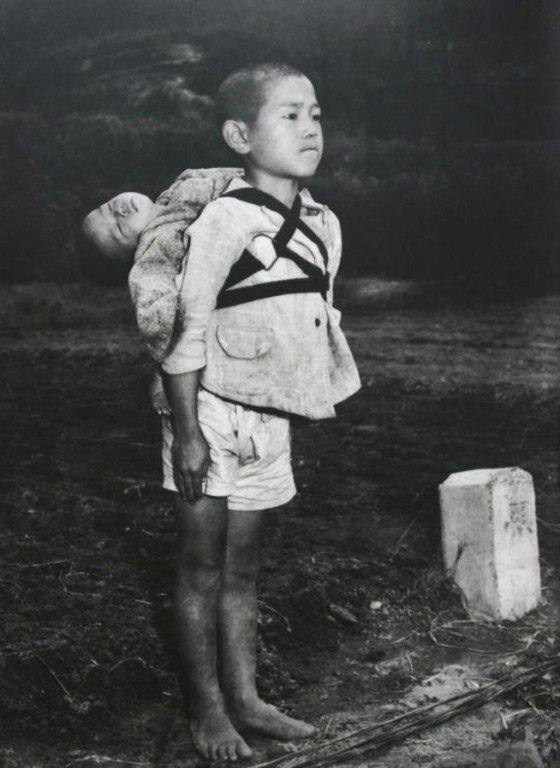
{"x": 286, "y": 139}
{"x": 117, "y": 224}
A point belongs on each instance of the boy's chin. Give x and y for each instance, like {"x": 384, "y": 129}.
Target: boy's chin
{"x": 310, "y": 170}
{"x": 306, "y": 173}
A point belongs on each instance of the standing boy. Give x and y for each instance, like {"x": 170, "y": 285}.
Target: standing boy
{"x": 261, "y": 341}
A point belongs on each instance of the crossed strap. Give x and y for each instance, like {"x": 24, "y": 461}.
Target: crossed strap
{"x": 315, "y": 280}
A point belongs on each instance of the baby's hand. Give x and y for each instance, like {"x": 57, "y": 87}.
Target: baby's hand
{"x": 160, "y": 403}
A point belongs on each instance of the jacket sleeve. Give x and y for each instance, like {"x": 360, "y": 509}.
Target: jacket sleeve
{"x": 335, "y": 254}
{"x": 215, "y": 242}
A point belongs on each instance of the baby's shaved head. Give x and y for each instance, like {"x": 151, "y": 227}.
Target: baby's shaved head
{"x": 243, "y": 93}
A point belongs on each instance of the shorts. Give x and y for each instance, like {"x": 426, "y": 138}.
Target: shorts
{"x": 250, "y": 457}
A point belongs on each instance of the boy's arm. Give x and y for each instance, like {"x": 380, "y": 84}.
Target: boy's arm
{"x": 216, "y": 240}
{"x": 191, "y": 455}
{"x": 335, "y": 254}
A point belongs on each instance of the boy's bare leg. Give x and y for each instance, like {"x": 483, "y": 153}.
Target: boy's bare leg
{"x": 238, "y": 633}
{"x": 201, "y": 536}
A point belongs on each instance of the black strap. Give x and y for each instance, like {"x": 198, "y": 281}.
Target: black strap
{"x": 243, "y": 268}
{"x": 258, "y": 197}
{"x": 286, "y": 231}
{"x": 267, "y": 290}
{"x": 316, "y": 281}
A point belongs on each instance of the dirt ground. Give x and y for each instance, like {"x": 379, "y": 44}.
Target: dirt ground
{"x": 357, "y": 620}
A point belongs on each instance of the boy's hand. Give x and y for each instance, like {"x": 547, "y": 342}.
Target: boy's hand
{"x": 190, "y": 452}
{"x": 191, "y": 459}
{"x": 160, "y": 403}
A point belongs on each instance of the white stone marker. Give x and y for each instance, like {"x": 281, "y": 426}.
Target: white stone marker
{"x": 489, "y": 535}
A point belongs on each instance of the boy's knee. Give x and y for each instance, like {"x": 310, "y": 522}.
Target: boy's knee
{"x": 198, "y": 571}
{"x": 239, "y": 574}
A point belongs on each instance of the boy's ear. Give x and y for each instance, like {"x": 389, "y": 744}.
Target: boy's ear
{"x": 236, "y": 136}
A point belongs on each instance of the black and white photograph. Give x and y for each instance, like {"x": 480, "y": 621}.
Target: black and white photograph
{"x": 280, "y": 320}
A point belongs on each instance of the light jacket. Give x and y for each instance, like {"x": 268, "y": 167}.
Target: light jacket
{"x": 285, "y": 352}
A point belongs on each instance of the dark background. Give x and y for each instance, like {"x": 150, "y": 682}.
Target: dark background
{"x": 441, "y": 160}
{"x": 440, "y": 117}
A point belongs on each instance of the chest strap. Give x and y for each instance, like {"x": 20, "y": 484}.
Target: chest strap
{"x": 315, "y": 280}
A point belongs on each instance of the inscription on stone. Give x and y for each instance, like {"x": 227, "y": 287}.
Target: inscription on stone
{"x": 489, "y": 538}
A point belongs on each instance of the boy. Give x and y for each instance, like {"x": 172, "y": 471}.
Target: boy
{"x": 235, "y": 374}
{"x": 260, "y": 341}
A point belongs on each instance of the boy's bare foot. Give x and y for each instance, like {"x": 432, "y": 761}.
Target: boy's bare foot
{"x": 263, "y": 717}
{"x": 215, "y": 738}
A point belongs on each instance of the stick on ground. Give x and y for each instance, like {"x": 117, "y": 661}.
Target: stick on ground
{"x": 375, "y": 737}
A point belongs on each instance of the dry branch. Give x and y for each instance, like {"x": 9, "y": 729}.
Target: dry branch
{"x": 375, "y": 737}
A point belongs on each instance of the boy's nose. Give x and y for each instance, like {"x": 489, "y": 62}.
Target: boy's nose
{"x": 310, "y": 128}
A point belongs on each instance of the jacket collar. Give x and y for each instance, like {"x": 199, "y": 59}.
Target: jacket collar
{"x": 238, "y": 182}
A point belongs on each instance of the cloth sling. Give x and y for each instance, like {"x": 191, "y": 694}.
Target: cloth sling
{"x": 315, "y": 280}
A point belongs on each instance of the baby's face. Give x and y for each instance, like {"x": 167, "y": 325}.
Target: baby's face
{"x": 286, "y": 139}
{"x": 117, "y": 224}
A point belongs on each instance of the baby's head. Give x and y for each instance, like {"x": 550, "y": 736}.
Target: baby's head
{"x": 270, "y": 116}
{"x": 115, "y": 226}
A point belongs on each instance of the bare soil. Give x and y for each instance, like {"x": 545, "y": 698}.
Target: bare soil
{"x": 357, "y": 619}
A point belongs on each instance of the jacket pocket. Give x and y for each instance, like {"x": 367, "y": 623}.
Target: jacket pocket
{"x": 244, "y": 343}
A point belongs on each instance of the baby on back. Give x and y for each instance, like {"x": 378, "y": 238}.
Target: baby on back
{"x": 132, "y": 226}
{"x": 115, "y": 227}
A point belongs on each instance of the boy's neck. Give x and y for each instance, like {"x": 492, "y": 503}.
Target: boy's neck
{"x": 284, "y": 190}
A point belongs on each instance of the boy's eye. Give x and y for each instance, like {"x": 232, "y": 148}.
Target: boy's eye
{"x": 291, "y": 115}
{"x": 317, "y": 117}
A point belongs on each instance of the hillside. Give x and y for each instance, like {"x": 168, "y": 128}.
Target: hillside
{"x": 440, "y": 121}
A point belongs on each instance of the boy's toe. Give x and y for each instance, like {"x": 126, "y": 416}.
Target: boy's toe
{"x": 202, "y": 747}
{"x": 206, "y": 752}
{"x": 244, "y": 751}
{"x": 307, "y": 731}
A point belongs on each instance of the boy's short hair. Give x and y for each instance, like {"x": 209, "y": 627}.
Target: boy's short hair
{"x": 242, "y": 94}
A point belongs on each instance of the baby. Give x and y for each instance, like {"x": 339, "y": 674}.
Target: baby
{"x": 115, "y": 226}
{"x": 115, "y": 229}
